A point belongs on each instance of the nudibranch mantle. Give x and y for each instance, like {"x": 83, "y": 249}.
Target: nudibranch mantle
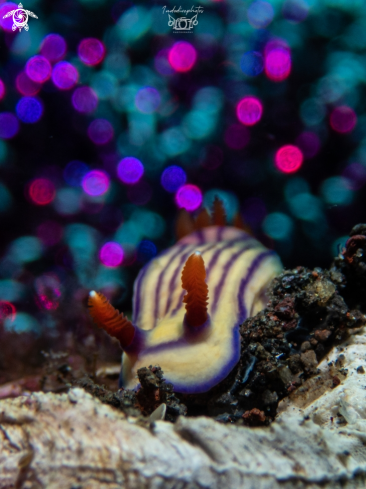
{"x": 238, "y": 270}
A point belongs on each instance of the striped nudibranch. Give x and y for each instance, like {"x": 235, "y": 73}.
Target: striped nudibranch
{"x": 190, "y": 327}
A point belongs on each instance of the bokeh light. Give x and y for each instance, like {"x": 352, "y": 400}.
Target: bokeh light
{"x": 252, "y": 63}
{"x": 277, "y": 62}
{"x": 161, "y": 63}
{"x": 53, "y": 48}
{"x": 50, "y": 232}
{"x": 64, "y": 75}
{"x": 260, "y": 14}
{"x": 309, "y": 143}
{"x": 91, "y": 51}
{"x": 355, "y": 175}
{"x": 5, "y": 8}
{"x": 7, "y": 310}
{"x": 29, "y": 110}
{"x": 130, "y": 170}
{"x": 249, "y": 111}
{"x": 25, "y": 249}
{"x": 189, "y": 197}
{"x": 48, "y": 288}
{"x": 337, "y": 191}
{"x": 182, "y": 56}
{"x": 295, "y": 10}
{"x": 2, "y": 89}
{"x": 95, "y": 182}
{"x": 100, "y": 131}
{"x": 343, "y": 119}
{"x": 289, "y": 159}
{"x": 111, "y": 254}
{"x": 278, "y": 225}
{"x": 42, "y": 191}
{"x": 85, "y": 100}
{"x": 146, "y": 251}
{"x": 67, "y": 201}
{"x": 74, "y": 172}
{"x": 173, "y": 177}
{"x": 147, "y": 100}
{"x": 38, "y": 69}
{"x": 26, "y": 86}
{"x": 9, "y": 125}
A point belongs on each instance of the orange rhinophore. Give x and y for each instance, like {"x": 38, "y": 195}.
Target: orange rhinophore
{"x": 196, "y": 299}
{"x": 184, "y": 224}
{"x": 203, "y": 220}
{"x": 111, "y": 320}
{"x": 218, "y": 213}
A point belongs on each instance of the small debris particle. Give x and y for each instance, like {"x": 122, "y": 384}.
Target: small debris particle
{"x": 360, "y": 370}
{"x": 336, "y": 381}
{"x": 322, "y": 335}
{"x": 309, "y": 361}
{"x": 254, "y": 417}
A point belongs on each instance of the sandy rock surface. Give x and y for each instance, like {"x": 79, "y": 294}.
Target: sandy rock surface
{"x": 74, "y": 441}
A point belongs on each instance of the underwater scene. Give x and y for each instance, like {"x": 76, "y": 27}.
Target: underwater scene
{"x": 184, "y": 183}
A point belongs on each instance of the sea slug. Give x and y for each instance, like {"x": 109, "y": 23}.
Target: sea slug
{"x": 189, "y": 302}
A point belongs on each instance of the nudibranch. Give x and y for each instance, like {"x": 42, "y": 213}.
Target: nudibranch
{"x": 189, "y": 302}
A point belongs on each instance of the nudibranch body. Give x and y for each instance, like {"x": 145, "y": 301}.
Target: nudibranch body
{"x": 191, "y": 332}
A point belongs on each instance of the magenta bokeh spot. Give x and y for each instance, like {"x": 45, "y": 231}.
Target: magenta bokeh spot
{"x": 53, "y": 47}
{"x": 182, "y": 56}
{"x": 309, "y": 143}
{"x": 249, "y": 111}
{"x": 189, "y": 197}
{"x": 65, "y": 75}
{"x": 111, "y": 254}
{"x": 277, "y": 63}
{"x": 85, "y": 100}
{"x": 9, "y": 125}
{"x": 26, "y": 86}
{"x": 100, "y": 131}
{"x": 95, "y": 182}
{"x": 38, "y": 69}
{"x": 130, "y": 170}
{"x": 91, "y": 51}
{"x": 7, "y": 24}
{"x": 2, "y": 90}
{"x": 289, "y": 158}
{"x": 236, "y": 136}
{"x": 343, "y": 119}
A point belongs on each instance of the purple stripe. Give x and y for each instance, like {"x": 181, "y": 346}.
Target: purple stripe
{"x": 224, "y": 273}
{"x": 172, "y": 283}
{"x": 138, "y": 285}
{"x": 220, "y": 233}
{"x": 162, "y": 274}
{"x": 200, "y": 236}
{"x": 217, "y": 254}
{"x": 243, "y": 284}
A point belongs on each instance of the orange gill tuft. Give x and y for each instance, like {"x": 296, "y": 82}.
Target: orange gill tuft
{"x": 110, "y": 319}
{"x": 218, "y": 213}
{"x": 196, "y": 299}
{"x": 203, "y": 220}
{"x": 184, "y": 224}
